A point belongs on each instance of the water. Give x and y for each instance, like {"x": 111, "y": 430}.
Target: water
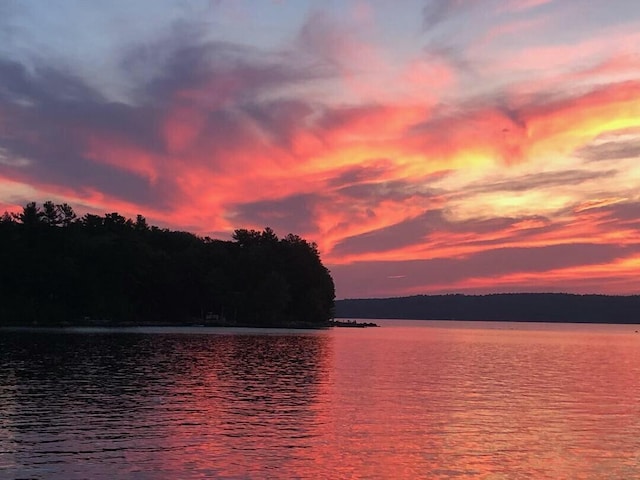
{"x": 434, "y": 400}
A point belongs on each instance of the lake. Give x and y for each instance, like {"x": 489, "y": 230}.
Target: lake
{"x": 412, "y": 399}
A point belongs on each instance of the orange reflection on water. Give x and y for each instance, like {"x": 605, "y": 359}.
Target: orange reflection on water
{"x": 409, "y": 402}
{"x": 437, "y": 400}
{"x": 248, "y": 407}
{"x": 478, "y": 403}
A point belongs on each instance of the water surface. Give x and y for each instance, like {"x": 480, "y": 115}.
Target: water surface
{"x": 438, "y": 400}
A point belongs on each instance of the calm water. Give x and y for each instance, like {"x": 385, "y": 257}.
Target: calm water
{"x": 409, "y": 400}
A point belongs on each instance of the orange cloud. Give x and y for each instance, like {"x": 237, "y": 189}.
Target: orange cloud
{"x": 110, "y": 149}
{"x": 615, "y": 278}
{"x": 561, "y": 126}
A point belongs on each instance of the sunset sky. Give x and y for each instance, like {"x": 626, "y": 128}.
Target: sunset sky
{"x": 432, "y": 146}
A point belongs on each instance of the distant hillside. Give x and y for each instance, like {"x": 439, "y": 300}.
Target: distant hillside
{"x": 517, "y": 307}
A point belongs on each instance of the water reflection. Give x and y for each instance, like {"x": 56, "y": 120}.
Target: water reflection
{"x": 439, "y": 401}
{"x": 157, "y": 406}
{"x": 486, "y": 403}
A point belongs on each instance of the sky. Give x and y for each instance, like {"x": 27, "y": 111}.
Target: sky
{"x": 426, "y": 146}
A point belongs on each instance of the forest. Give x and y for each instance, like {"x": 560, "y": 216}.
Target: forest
{"x": 61, "y": 269}
{"x": 514, "y": 307}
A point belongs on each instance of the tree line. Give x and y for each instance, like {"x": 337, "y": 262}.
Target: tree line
{"x": 514, "y": 307}
{"x": 58, "y": 268}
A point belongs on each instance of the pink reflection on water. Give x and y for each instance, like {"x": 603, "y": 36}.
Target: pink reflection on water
{"x": 419, "y": 400}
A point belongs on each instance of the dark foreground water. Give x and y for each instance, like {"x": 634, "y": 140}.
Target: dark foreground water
{"x": 409, "y": 400}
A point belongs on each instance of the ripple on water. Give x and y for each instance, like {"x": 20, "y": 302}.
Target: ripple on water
{"x": 428, "y": 401}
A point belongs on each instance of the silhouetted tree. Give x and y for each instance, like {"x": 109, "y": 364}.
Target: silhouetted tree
{"x": 111, "y": 269}
{"x": 31, "y": 215}
{"x": 7, "y": 218}
{"x": 67, "y": 215}
{"x": 246, "y": 238}
{"x": 92, "y": 222}
{"x": 141, "y": 224}
{"x": 51, "y": 214}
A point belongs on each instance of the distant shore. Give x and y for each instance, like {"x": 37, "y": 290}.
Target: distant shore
{"x": 106, "y": 325}
{"x": 510, "y": 307}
